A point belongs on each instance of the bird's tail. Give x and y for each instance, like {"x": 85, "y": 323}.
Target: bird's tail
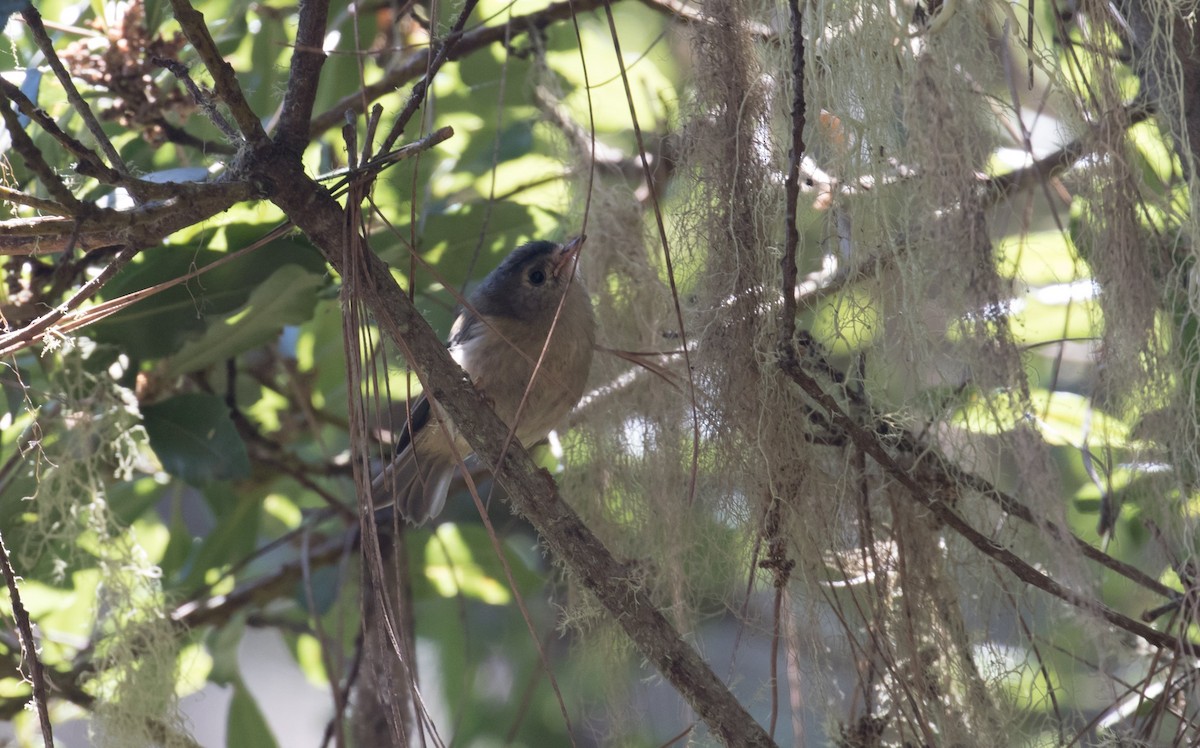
{"x": 416, "y": 484}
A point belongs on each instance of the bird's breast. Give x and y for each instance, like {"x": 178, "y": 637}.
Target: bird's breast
{"x": 502, "y": 367}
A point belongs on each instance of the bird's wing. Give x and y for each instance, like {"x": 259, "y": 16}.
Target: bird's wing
{"x": 418, "y": 416}
{"x": 466, "y": 328}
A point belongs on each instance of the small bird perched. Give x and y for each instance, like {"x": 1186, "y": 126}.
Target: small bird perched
{"x": 498, "y": 340}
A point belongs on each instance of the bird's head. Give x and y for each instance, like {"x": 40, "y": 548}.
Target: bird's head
{"x": 529, "y": 284}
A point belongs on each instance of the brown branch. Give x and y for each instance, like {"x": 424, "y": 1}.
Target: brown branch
{"x": 418, "y": 62}
{"x": 787, "y": 320}
{"x": 36, "y": 163}
{"x": 1052, "y": 164}
{"x": 224, "y": 79}
{"x": 35, "y": 328}
{"x": 34, "y": 20}
{"x": 95, "y": 167}
{"x": 143, "y": 226}
{"x": 417, "y": 96}
{"x": 307, "y": 61}
{"x": 20, "y": 198}
{"x": 29, "y": 649}
{"x": 939, "y": 472}
{"x": 91, "y": 165}
{"x": 870, "y": 444}
{"x": 201, "y": 97}
{"x": 532, "y": 492}
{"x": 216, "y": 610}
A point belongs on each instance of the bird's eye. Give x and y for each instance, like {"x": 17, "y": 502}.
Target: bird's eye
{"x": 537, "y": 276}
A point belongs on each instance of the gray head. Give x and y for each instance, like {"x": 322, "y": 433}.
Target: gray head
{"x": 529, "y": 283}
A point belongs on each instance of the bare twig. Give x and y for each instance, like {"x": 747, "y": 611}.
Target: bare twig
{"x": 29, "y": 649}
{"x": 417, "y": 96}
{"x": 34, "y": 20}
{"x": 199, "y": 95}
{"x": 224, "y": 79}
{"x": 23, "y": 144}
{"x": 89, "y": 163}
{"x": 417, "y": 63}
{"x": 20, "y": 198}
{"x": 217, "y": 610}
{"x": 34, "y": 329}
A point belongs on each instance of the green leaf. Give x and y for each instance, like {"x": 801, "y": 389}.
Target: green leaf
{"x": 460, "y": 559}
{"x": 223, "y": 644}
{"x": 239, "y": 516}
{"x": 1063, "y": 418}
{"x": 1151, "y": 151}
{"x": 195, "y": 440}
{"x": 484, "y": 153}
{"x": 246, "y": 725}
{"x": 287, "y": 297}
{"x": 458, "y": 230}
{"x": 1039, "y": 258}
{"x": 161, "y": 324}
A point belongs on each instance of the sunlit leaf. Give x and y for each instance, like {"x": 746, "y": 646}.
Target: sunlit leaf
{"x": 456, "y": 567}
{"x": 1039, "y": 258}
{"x": 287, "y": 297}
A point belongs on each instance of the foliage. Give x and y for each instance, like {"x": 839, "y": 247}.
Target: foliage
{"x": 944, "y": 470}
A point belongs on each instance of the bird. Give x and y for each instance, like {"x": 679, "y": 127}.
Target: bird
{"x": 498, "y": 338}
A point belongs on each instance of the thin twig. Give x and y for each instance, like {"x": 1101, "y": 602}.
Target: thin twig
{"x": 29, "y": 649}
{"x": 89, "y": 163}
{"x": 869, "y": 443}
{"x": 20, "y": 198}
{"x": 199, "y": 95}
{"x": 417, "y": 96}
{"x": 33, "y": 330}
{"x": 418, "y": 62}
{"x": 23, "y": 145}
{"x": 224, "y": 79}
{"x": 34, "y": 20}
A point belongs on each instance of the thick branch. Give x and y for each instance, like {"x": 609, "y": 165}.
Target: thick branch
{"x": 307, "y": 61}
{"x": 532, "y": 492}
{"x": 144, "y": 226}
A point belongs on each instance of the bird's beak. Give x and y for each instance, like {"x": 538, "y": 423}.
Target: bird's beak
{"x": 567, "y": 255}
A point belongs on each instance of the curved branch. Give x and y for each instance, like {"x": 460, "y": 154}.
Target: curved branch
{"x": 418, "y": 62}
{"x": 532, "y": 491}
